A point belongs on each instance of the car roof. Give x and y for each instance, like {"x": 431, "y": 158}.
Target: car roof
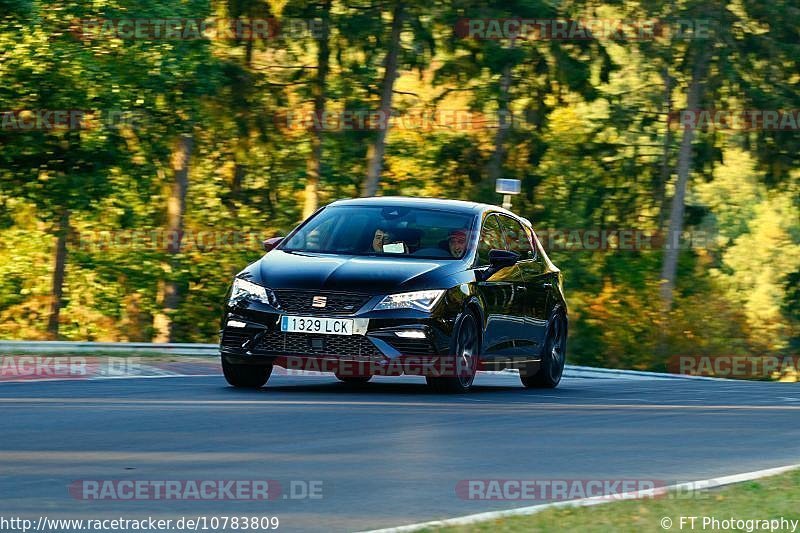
{"x": 431, "y": 203}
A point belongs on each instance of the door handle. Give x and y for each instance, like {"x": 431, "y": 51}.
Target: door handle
{"x": 521, "y": 287}
{"x": 547, "y": 285}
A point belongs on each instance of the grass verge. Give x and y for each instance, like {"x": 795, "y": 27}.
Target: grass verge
{"x": 765, "y": 499}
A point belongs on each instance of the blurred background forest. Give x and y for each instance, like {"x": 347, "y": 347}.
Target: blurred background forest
{"x": 192, "y": 149}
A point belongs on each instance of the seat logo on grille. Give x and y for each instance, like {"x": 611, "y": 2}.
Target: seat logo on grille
{"x": 319, "y": 301}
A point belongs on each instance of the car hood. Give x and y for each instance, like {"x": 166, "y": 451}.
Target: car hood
{"x": 374, "y": 275}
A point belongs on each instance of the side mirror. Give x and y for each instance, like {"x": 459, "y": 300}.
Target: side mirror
{"x": 270, "y": 244}
{"x": 502, "y": 258}
{"x": 498, "y": 260}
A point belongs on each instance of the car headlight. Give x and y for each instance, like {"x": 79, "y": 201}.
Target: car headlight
{"x": 420, "y": 300}
{"x": 243, "y": 289}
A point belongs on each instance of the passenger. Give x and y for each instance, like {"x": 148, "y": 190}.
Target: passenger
{"x": 380, "y": 238}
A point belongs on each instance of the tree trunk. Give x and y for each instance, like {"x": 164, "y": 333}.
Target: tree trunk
{"x": 672, "y": 243}
{"x": 314, "y": 162}
{"x": 176, "y": 208}
{"x": 58, "y": 275}
{"x": 239, "y": 172}
{"x": 248, "y": 53}
{"x": 661, "y": 191}
{"x": 495, "y": 167}
{"x": 376, "y": 150}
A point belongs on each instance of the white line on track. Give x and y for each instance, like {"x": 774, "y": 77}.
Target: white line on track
{"x": 505, "y": 406}
{"x": 104, "y": 378}
{"x": 587, "y": 502}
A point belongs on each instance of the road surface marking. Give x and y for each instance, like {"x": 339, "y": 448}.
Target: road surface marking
{"x": 333, "y": 403}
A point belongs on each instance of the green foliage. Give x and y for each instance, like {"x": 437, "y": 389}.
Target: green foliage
{"x": 589, "y": 138}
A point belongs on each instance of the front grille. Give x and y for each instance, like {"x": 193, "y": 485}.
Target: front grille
{"x": 411, "y": 346}
{"x": 350, "y": 347}
{"x": 335, "y": 302}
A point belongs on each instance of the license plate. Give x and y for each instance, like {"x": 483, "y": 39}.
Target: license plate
{"x": 324, "y": 326}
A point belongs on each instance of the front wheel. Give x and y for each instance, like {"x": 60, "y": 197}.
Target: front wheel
{"x": 465, "y": 358}
{"x": 246, "y": 376}
{"x": 554, "y": 356}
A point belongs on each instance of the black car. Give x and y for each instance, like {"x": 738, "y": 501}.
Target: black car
{"x": 385, "y": 285}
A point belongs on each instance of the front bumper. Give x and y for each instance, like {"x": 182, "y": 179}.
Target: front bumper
{"x": 251, "y": 335}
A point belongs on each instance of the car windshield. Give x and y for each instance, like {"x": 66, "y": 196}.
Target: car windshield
{"x": 384, "y": 231}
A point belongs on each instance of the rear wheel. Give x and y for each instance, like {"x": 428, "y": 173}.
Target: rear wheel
{"x": 246, "y": 376}
{"x": 551, "y": 368}
{"x": 464, "y": 361}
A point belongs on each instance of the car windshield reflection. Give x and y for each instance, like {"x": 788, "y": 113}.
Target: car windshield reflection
{"x": 384, "y": 231}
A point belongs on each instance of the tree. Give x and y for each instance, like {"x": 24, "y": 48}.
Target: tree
{"x": 319, "y": 92}
{"x": 60, "y": 169}
{"x": 378, "y": 147}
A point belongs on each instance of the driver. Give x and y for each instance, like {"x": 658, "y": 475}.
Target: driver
{"x": 457, "y": 242}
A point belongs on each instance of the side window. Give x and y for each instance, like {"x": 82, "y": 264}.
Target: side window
{"x": 537, "y": 249}
{"x": 537, "y": 265}
{"x": 516, "y": 237}
{"x": 491, "y": 238}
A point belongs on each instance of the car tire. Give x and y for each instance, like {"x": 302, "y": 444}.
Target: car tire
{"x": 554, "y": 356}
{"x": 353, "y": 380}
{"x": 466, "y": 350}
{"x": 246, "y": 376}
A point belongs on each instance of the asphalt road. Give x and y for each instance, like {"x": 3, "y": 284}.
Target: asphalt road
{"x": 389, "y": 453}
